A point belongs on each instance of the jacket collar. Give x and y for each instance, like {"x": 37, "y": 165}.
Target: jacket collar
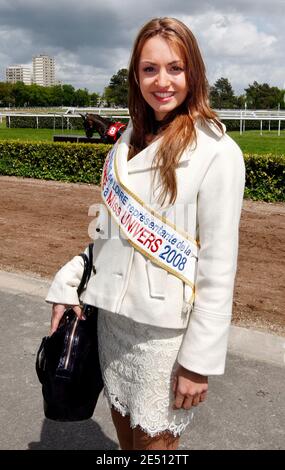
{"x": 143, "y": 160}
{"x": 210, "y": 126}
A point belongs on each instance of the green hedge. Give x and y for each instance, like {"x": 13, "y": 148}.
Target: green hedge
{"x": 53, "y": 161}
{"x": 83, "y": 163}
{"x": 265, "y": 175}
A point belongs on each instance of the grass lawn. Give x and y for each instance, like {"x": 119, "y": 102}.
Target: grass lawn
{"x": 253, "y": 142}
{"x": 33, "y": 134}
{"x": 249, "y": 141}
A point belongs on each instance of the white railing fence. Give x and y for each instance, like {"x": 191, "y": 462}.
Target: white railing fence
{"x": 241, "y": 115}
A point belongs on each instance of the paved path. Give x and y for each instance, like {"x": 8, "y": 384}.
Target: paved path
{"x": 245, "y": 408}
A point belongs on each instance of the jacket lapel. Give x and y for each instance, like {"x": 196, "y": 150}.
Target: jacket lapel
{"x": 143, "y": 161}
{"x": 140, "y": 162}
{"x": 122, "y": 155}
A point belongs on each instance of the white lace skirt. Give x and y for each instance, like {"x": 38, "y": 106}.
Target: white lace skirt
{"x": 138, "y": 363}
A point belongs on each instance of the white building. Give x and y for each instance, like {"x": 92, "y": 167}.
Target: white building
{"x": 18, "y": 73}
{"x": 44, "y": 70}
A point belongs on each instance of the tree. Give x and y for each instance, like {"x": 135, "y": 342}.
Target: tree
{"x": 81, "y": 97}
{"x": 262, "y": 96}
{"x": 282, "y": 102}
{"x": 56, "y": 95}
{"x": 21, "y": 94}
{"x": 222, "y": 94}
{"x": 94, "y": 99}
{"x": 68, "y": 95}
{"x": 240, "y": 101}
{"x": 116, "y": 93}
{"x": 6, "y": 94}
{"x": 37, "y": 95}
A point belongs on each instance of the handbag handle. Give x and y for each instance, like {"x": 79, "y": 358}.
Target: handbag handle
{"x": 88, "y": 264}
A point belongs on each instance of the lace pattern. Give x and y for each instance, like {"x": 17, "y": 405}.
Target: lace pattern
{"x": 138, "y": 363}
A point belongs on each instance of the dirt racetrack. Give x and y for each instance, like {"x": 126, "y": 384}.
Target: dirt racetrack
{"x": 44, "y": 223}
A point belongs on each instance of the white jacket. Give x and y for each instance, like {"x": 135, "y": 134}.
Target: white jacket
{"x": 210, "y": 182}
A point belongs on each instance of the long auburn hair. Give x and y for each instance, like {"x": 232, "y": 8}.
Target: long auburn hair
{"x": 180, "y": 131}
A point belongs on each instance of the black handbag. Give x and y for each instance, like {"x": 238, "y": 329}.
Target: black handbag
{"x": 67, "y": 362}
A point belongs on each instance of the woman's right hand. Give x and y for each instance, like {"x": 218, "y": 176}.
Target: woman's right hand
{"x": 57, "y": 313}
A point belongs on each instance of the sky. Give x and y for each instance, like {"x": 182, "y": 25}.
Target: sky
{"x": 242, "y": 40}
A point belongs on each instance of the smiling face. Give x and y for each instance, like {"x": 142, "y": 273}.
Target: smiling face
{"x": 162, "y": 77}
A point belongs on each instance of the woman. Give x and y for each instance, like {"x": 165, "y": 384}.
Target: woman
{"x": 167, "y": 237}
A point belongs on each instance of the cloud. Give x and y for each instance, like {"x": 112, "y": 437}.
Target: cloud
{"x": 234, "y": 36}
{"x": 234, "y": 46}
{"x": 91, "y": 40}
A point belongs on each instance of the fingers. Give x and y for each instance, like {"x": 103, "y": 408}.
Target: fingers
{"x": 57, "y": 313}
{"x": 203, "y": 396}
{"x": 79, "y": 312}
{"x": 179, "y": 399}
{"x": 187, "y": 401}
{"x": 189, "y": 388}
{"x": 174, "y": 385}
{"x": 196, "y": 400}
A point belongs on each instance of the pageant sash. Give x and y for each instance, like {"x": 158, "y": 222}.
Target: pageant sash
{"x": 146, "y": 230}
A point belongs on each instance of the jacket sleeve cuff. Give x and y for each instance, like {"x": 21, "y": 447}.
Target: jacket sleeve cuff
{"x": 207, "y": 356}
{"x": 63, "y": 289}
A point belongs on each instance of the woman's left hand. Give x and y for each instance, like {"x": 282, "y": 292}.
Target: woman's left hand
{"x": 189, "y": 388}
